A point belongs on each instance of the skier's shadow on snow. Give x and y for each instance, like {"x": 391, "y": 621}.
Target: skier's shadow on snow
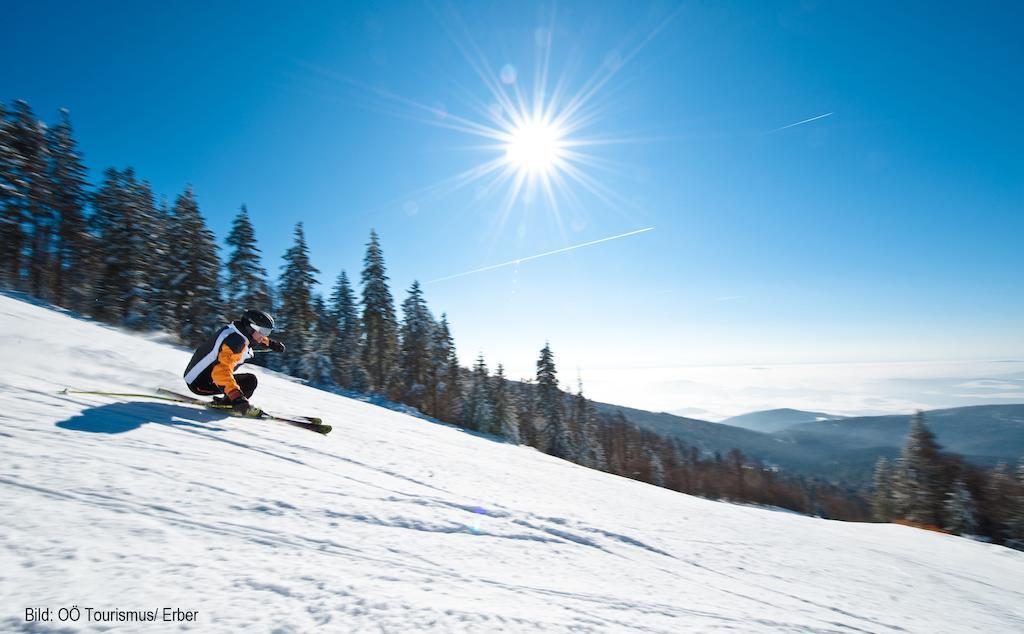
{"x": 118, "y": 418}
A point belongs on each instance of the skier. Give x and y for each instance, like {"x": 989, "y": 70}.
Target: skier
{"x": 212, "y": 368}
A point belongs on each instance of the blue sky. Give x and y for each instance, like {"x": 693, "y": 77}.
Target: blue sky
{"x": 889, "y": 231}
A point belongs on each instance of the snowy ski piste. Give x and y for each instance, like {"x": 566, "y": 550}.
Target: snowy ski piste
{"x": 397, "y": 524}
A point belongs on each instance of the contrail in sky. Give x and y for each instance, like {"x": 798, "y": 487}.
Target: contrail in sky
{"x": 541, "y": 255}
{"x": 820, "y": 116}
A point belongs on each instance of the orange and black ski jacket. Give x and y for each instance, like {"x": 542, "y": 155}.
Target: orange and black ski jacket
{"x": 214, "y": 363}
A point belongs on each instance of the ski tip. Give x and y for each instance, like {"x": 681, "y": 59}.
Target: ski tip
{"x": 324, "y": 429}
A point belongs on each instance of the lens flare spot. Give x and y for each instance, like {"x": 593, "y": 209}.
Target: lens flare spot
{"x": 508, "y": 74}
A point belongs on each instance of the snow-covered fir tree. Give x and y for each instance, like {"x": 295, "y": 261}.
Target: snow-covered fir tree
{"x": 246, "y": 283}
{"x": 28, "y": 136}
{"x": 476, "y": 411}
{"x": 107, "y": 225}
{"x": 1016, "y": 522}
{"x": 619, "y": 444}
{"x": 162, "y": 272}
{"x": 345, "y": 353}
{"x": 443, "y": 382}
{"x": 12, "y": 236}
{"x": 297, "y": 319}
{"x": 959, "y": 511}
{"x": 380, "y": 330}
{"x": 128, "y": 237}
{"x": 324, "y": 319}
{"x": 590, "y": 452}
{"x": 68, "y": 177}
{"x": 416, "y": 338}
{"x": 502, "y": 408}
{"x": 315, "y": 365}
{"x": 148, "y": 313}
{"x": 525, "y": 401}
{"x": 881, "y": 495}
{"x": 656, "y": 468}
{"x": 554, "y": 433}
{"x": 918, "y": 490}
{"x": 194, "y": 289}
{"x": 1000, "y": 491}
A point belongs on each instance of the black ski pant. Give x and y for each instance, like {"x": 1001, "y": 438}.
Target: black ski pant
{"x": 246, "y": 383}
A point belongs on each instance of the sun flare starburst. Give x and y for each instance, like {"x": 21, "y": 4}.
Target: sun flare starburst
{"x": 541, "y": 136}
{"x": 534, "y": 146}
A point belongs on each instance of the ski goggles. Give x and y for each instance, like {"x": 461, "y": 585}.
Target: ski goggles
{"x": 263, "y": 331}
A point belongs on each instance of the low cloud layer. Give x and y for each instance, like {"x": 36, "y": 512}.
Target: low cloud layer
{"x": 854, "y": 389}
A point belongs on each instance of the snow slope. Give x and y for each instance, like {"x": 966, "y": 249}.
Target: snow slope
{"x": 396, "y": 524}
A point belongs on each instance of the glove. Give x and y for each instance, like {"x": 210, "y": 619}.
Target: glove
{"x": 276, "y": 345}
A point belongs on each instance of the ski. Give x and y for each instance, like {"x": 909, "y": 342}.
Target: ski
{"x": 305, "y": 422}
{"x": 177, "y": 398}
{"x": 308, "y": 422}
{"x": 198, "y": 401}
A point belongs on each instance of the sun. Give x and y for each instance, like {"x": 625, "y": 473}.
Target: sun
{"x": 546, "y": 138}
{"x": 535, "y": 147}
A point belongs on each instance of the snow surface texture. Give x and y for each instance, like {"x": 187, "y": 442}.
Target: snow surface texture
{"x": 397, "y": 524}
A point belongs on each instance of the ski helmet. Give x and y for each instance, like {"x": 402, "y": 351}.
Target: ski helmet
{"x": 258, "y": 321}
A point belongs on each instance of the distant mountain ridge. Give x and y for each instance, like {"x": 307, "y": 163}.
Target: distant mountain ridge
{"x": 996, "y": 431}
{"x": 846, "y": 449}
{"x": 773, "y": 420}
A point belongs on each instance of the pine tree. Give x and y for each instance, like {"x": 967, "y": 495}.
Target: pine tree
{"x": 881, "y": 497}
{"x": 154, "y": 251}
{"x": 128, "y": 250}
{"x": 1000, "y": 492}
{"x": 623, "y": 450}
{"x": 416, "y": 336}
{"x": 736, "y": 463}
{"x": 554, "y": 433}
{"x": 681, "y": 477}
{"x": 12, "y": 235}
{"x": 590, "y": 452}
{"x": 656, "y": 468}
{"x": 345, "y": 351}
{"x": 443, "y": 388}
{"x": 502, "y": 407}
{"x": 453, "y": 384}
{"x": 525, "y": 400}
{"x": 380, "y": 330}
{"x": 297, "y": 322}
{"x": 1015, "y": 527}
{"x": 28, "y": 136}
{"x": 194, "y": 290}
{"x": 476, "y": 413}
{"x": 247, "y": 286}
{"x": 323, "y": 323}
{"x": 106, "y": 225}
{"x": 161, "y": 270}
{"x": 68, "y": 176}
{"x": 919, "y": 489}
{"x": 959, "y": 510}
{"x": 315, "y": 365}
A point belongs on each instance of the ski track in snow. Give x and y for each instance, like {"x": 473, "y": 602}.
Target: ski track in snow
{"x": 396, "y": 524}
